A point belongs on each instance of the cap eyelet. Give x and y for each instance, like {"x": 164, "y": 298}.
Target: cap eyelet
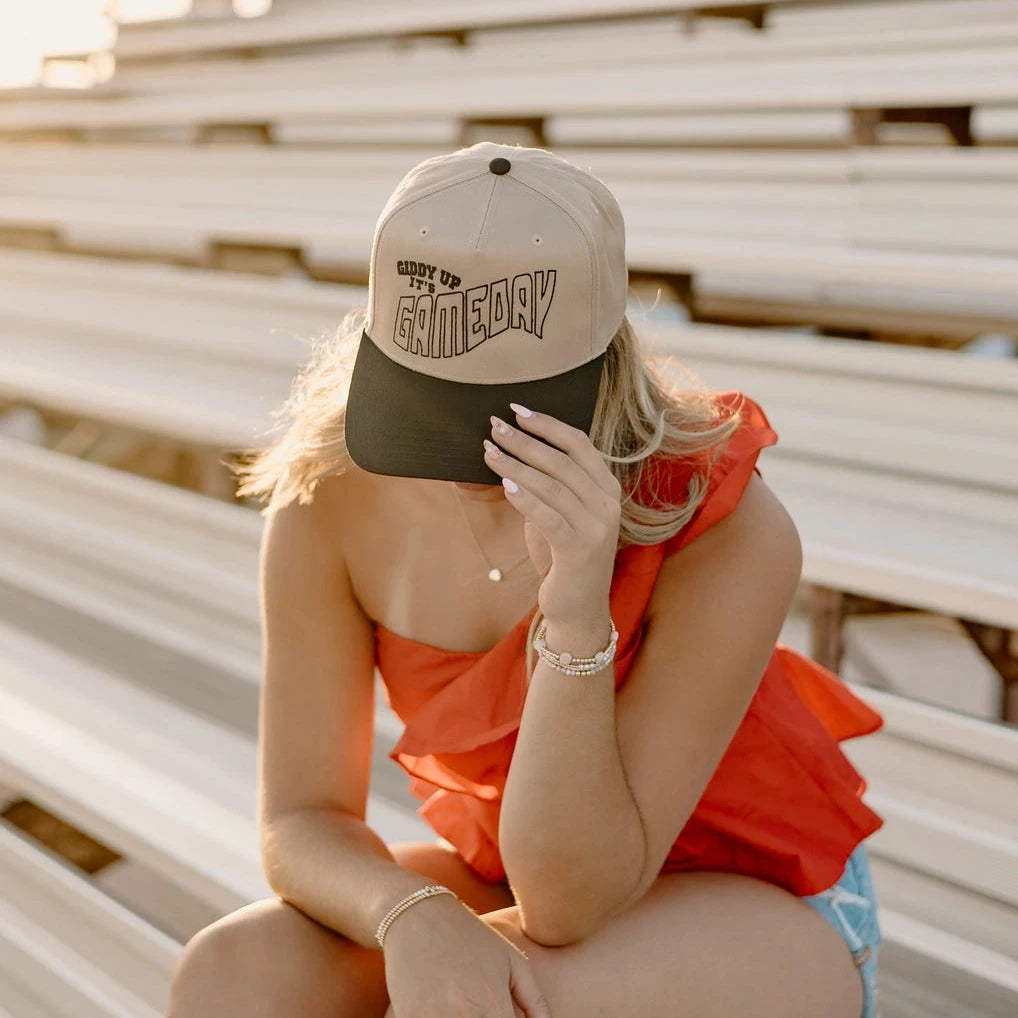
{"x": 424, "y": 231}
{"x": 536, "y": 239}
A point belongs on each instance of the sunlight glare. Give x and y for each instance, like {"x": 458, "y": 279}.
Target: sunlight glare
{"x": 251, "y": 8}
{"x": 35, "y": 34}
{"x": 148, "y": 10}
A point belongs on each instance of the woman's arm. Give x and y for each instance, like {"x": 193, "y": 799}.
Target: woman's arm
{"x": 600, "y": 785}
{"x": 570, "y": 834}
{"x": 334, "y": 868}
{"x": 316, "y": 729}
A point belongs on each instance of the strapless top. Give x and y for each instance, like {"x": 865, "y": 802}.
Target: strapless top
{"x": 784, "y": 803}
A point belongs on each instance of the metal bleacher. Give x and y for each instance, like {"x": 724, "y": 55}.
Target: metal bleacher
{"x": 827, "y": 193}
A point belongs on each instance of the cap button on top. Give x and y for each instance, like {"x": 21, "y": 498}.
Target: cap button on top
{"x": 499, "y": 165}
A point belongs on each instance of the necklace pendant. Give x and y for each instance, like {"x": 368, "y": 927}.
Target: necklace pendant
{"x": 495, "y": 574}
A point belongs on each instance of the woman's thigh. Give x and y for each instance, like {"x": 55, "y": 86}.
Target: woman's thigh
{"x": 703, "y": 944}
{"x": 269, "y": 960}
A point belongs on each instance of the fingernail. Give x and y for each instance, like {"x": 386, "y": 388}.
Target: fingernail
{"x": 493, "y": 449}
{"x": 521, "y": 410}
{"x": 511, "y": 486}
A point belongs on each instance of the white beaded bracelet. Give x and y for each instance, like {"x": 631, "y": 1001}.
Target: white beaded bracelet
{"x": 401, "y": 906}
{"x": 569, "y": 665}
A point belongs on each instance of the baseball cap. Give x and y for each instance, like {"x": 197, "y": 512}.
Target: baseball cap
{"x": 498, "y": 273}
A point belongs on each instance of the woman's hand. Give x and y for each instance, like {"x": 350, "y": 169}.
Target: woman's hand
{"x": 443, "y": 961}
{"x": 571, "y": 504}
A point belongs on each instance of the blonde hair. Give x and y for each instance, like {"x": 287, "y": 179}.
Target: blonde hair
{"x": 643, "y": 411}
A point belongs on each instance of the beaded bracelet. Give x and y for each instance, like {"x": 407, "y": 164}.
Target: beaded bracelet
{"x": 401, "y": 906}
{"x": 569, "y": 665}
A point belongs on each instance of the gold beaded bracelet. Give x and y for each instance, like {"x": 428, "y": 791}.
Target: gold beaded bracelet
{"x": 569, "y": 665}
{"x": 400, "y": 907}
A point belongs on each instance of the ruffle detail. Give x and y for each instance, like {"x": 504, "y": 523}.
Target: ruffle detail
{"x": 730, "y": 474}
{"x": 461, "y": 739}
{"x": 784, "y": 802}
{"x": 842, "y": 713}
{"x": 469, "y": 824}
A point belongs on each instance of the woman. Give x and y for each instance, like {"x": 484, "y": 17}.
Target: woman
{"x": 571, "y": 576}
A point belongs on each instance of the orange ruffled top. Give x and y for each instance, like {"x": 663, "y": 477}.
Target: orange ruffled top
{"x": 784, "y": 803}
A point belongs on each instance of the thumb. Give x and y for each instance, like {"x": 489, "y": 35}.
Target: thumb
{"x": 525, "y": 990}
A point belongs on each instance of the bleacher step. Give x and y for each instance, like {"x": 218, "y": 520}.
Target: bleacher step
{"x": 981, "y": 920}
{"x": 144, "y": 776}
{"x": 955, "y": 972}
{"x": 921, "y": 655}
{"x": 158, "y": 900}
{"x": 82, "y": 953}
{"x": 20, "y": 1001}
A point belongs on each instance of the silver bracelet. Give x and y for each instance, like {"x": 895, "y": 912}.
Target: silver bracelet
{"x": 569, "y": 665}
{"x": 401, "y": 906}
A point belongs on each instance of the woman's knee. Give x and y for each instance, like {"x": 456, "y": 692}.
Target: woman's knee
{"x": 225, "y": 961}
{"x": 268, "y": 959}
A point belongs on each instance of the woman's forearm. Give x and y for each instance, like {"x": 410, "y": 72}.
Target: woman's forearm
{"x": 334, "y": 868}
{"x": 570, "y": 834}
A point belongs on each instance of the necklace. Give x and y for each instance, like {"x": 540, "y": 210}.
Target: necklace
{"x": 494, "y": 573}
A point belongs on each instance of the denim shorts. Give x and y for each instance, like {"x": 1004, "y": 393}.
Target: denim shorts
{"x": 850, "y": 904}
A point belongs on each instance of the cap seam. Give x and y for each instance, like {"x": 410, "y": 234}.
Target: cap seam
{"x": 381, "y": 225}
{"x": 484, "y": 216}
{"x": 594, "y": 286}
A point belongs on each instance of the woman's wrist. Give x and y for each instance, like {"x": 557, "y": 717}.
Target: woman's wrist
{"x": 580, "y": 638}
{"x": 421, "y": 913}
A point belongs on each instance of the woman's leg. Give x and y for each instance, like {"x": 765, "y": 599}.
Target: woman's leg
{"x": 704, "y": 945}
{"x": 269, "y": 960}
{"x": 698, "y": 943}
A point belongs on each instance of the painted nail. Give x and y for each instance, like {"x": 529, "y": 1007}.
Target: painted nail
{"x": 511, "y": 486}
{"x": 500, "y": 426}
{"x": 492, "y": 449}
{"x": 521, "y": 410}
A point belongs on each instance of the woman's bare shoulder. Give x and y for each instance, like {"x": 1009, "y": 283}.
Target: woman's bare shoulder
{"x": 357, "y": 507}
{"x": 347, "y": 489}
{"x": 356, "y": 493}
